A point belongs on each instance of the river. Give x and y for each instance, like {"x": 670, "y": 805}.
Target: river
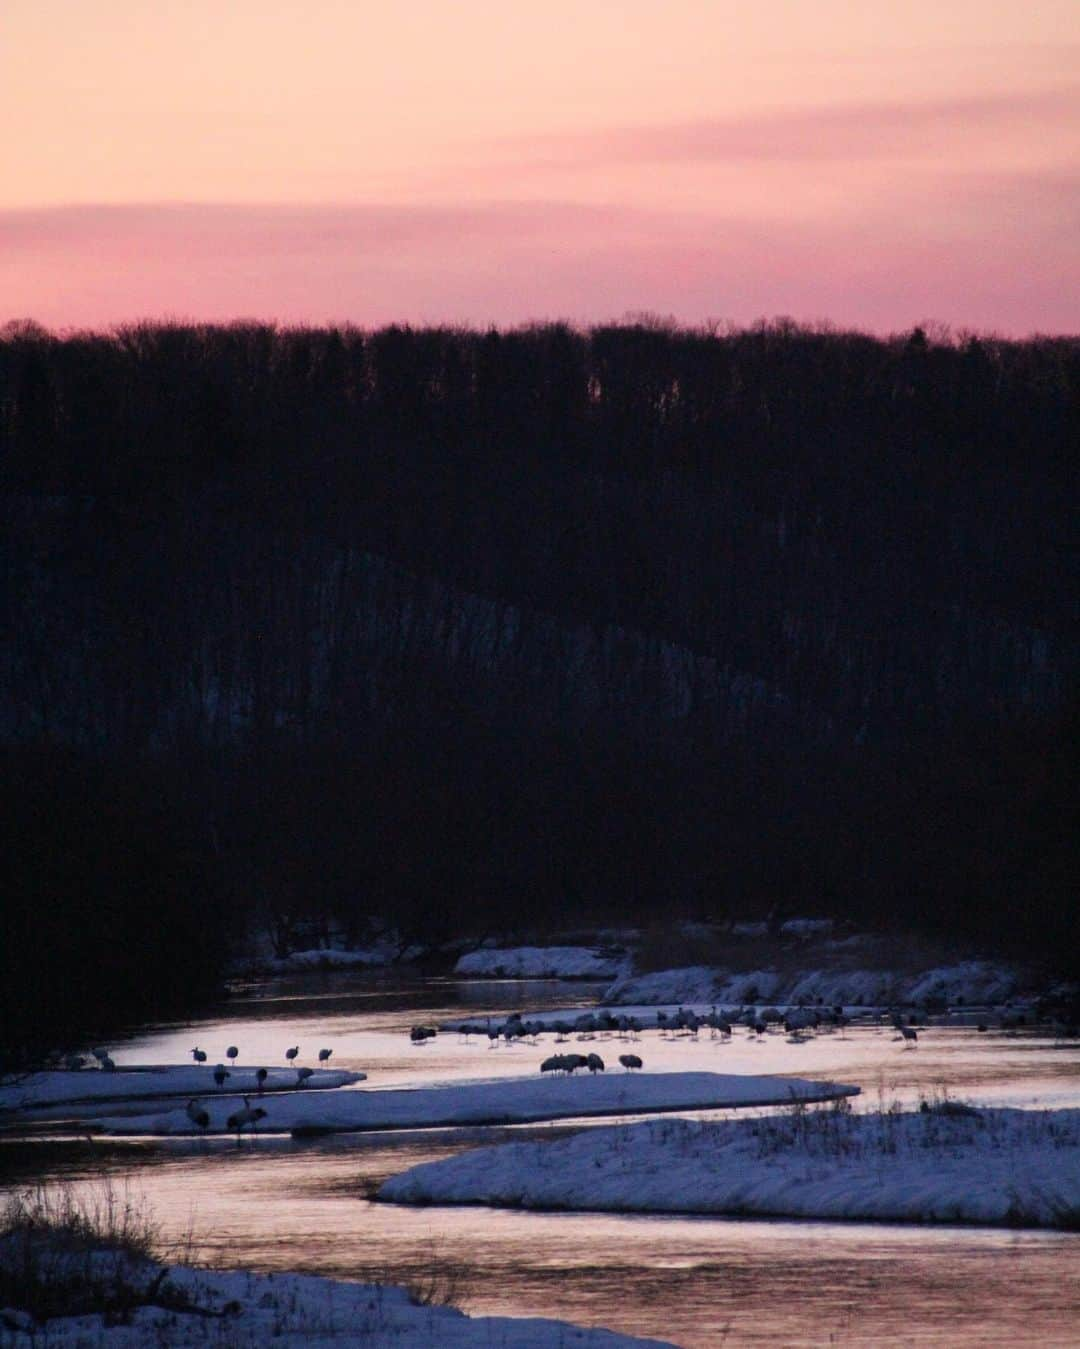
{"x": 275, "y": 1204}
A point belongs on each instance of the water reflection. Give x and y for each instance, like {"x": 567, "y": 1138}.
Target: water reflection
{"x": 276, "y": 1204}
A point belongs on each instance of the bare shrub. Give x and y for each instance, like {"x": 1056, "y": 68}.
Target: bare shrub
{"x": 432, "y": 1280}
{"x": 68, "y": 1252}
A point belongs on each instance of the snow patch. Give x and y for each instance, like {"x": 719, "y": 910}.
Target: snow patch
{"x": 948, "y": 1164}
{"x": 241, "y": 1310}
{"x": 542, "y": 962}
{"x": 806, "y": 927}
{"x": 846, "y": 988}
{"x": 329, "y": 958}
{"x": 695, "y": 984}
{"x": 491, "y": 1101}
{"x": 972, "y": 982}
{"x": 56, "y": 1088}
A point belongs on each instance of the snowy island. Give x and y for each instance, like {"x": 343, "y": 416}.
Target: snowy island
{"x": 59, "y": 1088}
{"x": 309, "y": 1110}
{"x": 946, "y": 1163}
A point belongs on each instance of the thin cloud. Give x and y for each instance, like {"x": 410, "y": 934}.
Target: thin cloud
{"x": 991, "y": 252}
{"x": 852, "y": 131}
{"x": 300, "y": 227}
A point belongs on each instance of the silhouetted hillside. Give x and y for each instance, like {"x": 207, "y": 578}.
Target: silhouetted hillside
{"x": 489, "y": 629}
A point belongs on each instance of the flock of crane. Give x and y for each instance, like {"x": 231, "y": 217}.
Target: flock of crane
{"x": 222, "y": 1074}
{"x": 798, "y": 1023}
{"x": 570, "y": 1063}
{"x": 250, "y": 1115}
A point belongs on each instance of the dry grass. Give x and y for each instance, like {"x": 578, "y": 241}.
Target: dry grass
{"x": 73, "y": 1252}
{"x": 431, "y": 1279}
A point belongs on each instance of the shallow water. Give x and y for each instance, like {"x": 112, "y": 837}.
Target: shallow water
{"x": 275, "y": 1204}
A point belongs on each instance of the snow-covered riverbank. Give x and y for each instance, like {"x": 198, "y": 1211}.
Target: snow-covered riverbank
{"x": 802, "y": 966}
{"x": 241, "y": 1310}
{"x": 489, "y": 1101}
{"x": 947, "y": 1164}
{"x": 543, "y": 962}
{"x": 966, "y": 984}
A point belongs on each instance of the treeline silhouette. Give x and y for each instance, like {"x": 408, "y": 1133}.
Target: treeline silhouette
{"x": 482, "y": 631}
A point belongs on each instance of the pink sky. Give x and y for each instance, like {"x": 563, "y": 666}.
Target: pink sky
{"x": 866, "y": 162}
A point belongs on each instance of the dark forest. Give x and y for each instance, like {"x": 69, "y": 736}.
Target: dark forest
{"x": 495, "y": 632}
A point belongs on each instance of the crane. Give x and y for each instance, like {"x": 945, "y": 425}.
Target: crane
{"x": 197, "y": 1115}
{"x": 249, "y": 1115}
